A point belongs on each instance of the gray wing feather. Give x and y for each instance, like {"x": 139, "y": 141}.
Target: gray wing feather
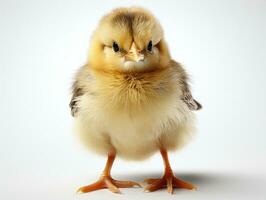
{"x": 191, "y": 103}
{"x": 76, "y": 92}
{"x": 183, "y": 82}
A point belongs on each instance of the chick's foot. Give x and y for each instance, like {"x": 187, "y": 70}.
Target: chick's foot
{"x": 169, "y": 181}
{"x": 106, "y": 181}
{"x": 109, "y": 183}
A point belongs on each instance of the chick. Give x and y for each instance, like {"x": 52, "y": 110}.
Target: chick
{"x": 131, "y": 99}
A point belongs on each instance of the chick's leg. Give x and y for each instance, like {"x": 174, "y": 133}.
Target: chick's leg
{"x": 106, "y": 181}
{"x": 168, "y": 180}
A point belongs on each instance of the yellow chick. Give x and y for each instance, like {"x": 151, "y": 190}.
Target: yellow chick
{"x": 131, "y": 99}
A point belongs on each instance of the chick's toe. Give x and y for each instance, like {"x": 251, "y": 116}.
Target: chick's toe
{"x": 109, "y": 183}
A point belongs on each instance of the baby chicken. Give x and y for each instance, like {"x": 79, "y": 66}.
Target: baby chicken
{"x": 131, "y": 99}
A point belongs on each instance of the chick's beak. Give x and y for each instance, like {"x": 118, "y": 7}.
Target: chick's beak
{"x": 134, "y": 54}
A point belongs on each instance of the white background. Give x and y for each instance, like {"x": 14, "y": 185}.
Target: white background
{"x": 221, "y": 43}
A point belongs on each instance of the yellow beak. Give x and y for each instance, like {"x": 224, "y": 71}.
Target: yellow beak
{"x": 134, "y": 54}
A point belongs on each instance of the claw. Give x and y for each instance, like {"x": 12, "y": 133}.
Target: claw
{"x": 169, "y": 185}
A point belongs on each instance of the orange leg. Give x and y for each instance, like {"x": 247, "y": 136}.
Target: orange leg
{"x": 106, "y": 181}
{"x": 168, "y": 180}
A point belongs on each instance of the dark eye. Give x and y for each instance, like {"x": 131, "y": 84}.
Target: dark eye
{"x": 149, "y": 47}
{"x": 115, "y": 47}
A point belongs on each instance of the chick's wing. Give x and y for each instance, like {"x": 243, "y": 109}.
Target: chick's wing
{"x": 79, "y": 88}
{"x": 191, "y": 103}
{"x": 76, "y": 92}
{"x": 185, "y": 88}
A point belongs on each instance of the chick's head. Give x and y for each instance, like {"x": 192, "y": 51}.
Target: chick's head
{"x": 128, "y": 39}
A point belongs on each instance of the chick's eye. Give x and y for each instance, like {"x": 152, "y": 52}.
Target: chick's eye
{"x": 149, "y": 47}
{"x": 115, "y": 47}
